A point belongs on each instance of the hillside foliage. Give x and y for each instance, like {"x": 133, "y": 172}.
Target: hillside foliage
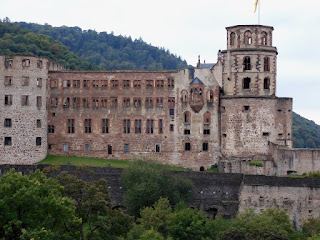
{"x": 109, "y": 51}
{"x": 17, "y": 41}
{"x": 306, "y": 133}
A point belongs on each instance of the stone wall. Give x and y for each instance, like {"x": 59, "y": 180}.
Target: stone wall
{"x": 23, "y": 113}
{"x": 220, "y": 193}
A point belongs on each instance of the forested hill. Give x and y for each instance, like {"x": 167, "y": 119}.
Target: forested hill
{"x": 109, "y": 51}
{"x": 306, "y": 134}
{"x": 17, "y": 41}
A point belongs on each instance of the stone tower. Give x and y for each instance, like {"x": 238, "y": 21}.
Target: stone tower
{"x": 252, "y": 117}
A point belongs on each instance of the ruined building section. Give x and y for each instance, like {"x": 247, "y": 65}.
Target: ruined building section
{"x": 23, "y": 114}
{"x": 171, "y": 116}
{"x": 252, "y": 117}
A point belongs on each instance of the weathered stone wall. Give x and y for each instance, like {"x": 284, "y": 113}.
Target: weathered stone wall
{"x": 23, "y": 76}
{"x": 220, "y": 193}
{"x": 171, "y": 142}
{"x": 250, "y": 124}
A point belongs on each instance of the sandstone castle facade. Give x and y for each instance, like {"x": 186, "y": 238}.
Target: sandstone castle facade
{"x": 225, "y": 113}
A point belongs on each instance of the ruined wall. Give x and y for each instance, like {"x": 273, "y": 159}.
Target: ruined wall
{"x": 296, "y": 161}
{"x": 220, "y": 193}
{"x": 300, "y": 197}
{"x": 23, "y": 114}
{"x": 112, "y": 95}
{"x": 248, "y": 125}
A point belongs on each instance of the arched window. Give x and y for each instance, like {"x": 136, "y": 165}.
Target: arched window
{"x": 187, "y": 117}
{"x": 264, "y": 38}
{"x": 207, "y": 118}
{"x": 210, "y": 96}
{"x": 246, "y": 83}
{"x": 266, "y": 83}
{"x": 247, "y": 37}
{"x": 246, "y": 63}
{"x": 266, "y": 64}
{"x": 232, "y": 39}
{"x": 184, "y": 96}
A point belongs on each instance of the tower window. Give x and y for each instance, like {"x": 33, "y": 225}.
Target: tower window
{"x": 266, "y": 83}
{"x": 187, "y": 117}
{"x": 266, "y": 64}
{"x": 232, "y": 38}
{"x": 247, "y": 38}
{"x": 157, "y": 148}
{"x": 205, "y": 146}
{"x": 38, "y": 141}
{"x": 263, "y": 38}
{"x": 7, "y": 141}
{"x": 246, "y": 63}
{"x": 246, "y": 83}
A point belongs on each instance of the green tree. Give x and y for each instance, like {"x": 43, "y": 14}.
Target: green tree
{"x": 145, "y": 182}
{"x": 34, "y": 207}
{"x": 92, "y": 202}
{"x": 311, "y": 228}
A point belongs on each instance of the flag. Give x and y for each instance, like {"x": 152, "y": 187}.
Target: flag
{"x": 255, "y": 5}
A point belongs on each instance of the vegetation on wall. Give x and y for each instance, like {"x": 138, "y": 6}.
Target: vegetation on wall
{"x": 306, "y": 133}
{"x": 109, "y": 51}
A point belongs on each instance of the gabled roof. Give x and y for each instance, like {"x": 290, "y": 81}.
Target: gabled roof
{"x": 196, "y": 81}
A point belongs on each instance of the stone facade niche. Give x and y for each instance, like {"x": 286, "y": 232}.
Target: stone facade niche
{"x": 196, "y": 95}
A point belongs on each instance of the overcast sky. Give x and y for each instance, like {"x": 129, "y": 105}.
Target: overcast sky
{"x": 192, "y": 28}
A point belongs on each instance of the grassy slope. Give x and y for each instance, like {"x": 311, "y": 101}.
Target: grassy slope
{"x": 93, "y": 162}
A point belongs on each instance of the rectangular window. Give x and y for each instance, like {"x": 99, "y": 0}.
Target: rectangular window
{"x": 126, "y": 103}
{"x": 39, "y": 64}
{"x": 87, "y": 125}
{"x": 149, "y": 102}
{"x": 137, "y": 83}
{"x": 126, "y": 84}
{"x": 38, "y": 141}
{"x": 39, "y": 82}
{"x": 114, "y": 102}
{"x": 205, "y": 146}
{"x": 187, "y": 146}
{"x": 8, "y": 62}
{"x": 76, "y": 102}
{"x": 206, "y": 132}
{"x": 126, "y": 148}
{"x": 24, "y": 100}
{"x": 103, "y": 102}
{"x": 66, "y": 103}
{"x": 76, "y": 83}
{"x": 157, "y": 147}
{"x": 66, "y": 83}
{"x": 87, "y": 147}
{"x": 105, "y": 125}
{"x": 65, "y": 147}
{"x": 114, "y": 84}
{"x": 39, "y": 101}
{"x": 126, "y": 126}
{"x": 95, "y": 103}
{"x": 170, "y": 83}
{"x": 70, "y": 125}
{"x": 149, "y": 84}
{"x": 137, "y": 103}
{"x": 7, "y": 141}
{"x": 104, "y": 84}
{"x": 159, "y": 102}
{"x": 95, "y": 83}
{"x": 159, "y": 83}
{"x": 186, "y": 132}
{"x": 171, "y": 102}
{"x": 54, "y": 102}
{"x": 86, "y": 84}
{"x": 25, "y": 62}
{"x": 160, "y": 126}
{"x": 7, "y": 122}
{"x": 7, "y": 80}
{"x": 50, "y": 128}
{"x": 171, "y": 127}
{"x": 38, "y": 123}
{"x": 150, "y": 126}
{"x": 171, "y": 111}
{"x": 25, "y": 81}
{"x": 53, "y": 84}
{"x": 137, "y": 126}
{"x": 8, "y": 100}
{"x": 85, "y": 102}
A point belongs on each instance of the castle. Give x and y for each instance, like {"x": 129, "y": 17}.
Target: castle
{"x": 225, "y": 113}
